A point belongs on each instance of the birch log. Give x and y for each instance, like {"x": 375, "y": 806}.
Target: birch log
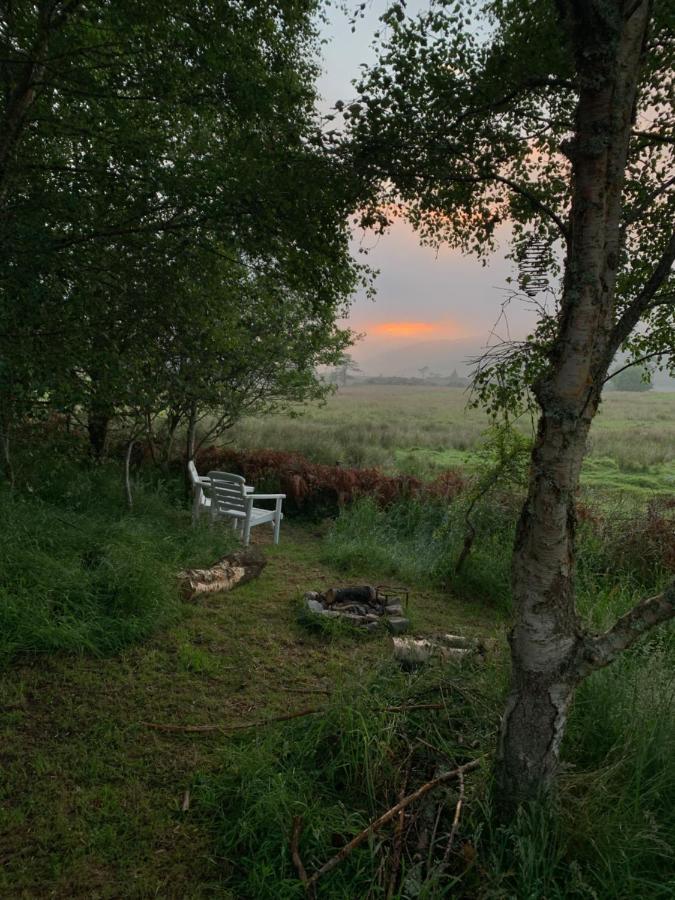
{"x": 233, "y": 569}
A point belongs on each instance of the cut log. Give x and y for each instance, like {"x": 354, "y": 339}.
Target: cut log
{"x": 415, "y": 651}
{"x": 233, "y": 569}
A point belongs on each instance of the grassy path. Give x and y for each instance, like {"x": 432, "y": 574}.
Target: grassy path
{"x": 91, "y": 800}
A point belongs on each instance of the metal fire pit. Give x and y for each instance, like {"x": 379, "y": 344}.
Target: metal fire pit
{"x": 363, "y": 605}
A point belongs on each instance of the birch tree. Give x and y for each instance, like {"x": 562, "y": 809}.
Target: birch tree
{"x": 557, "y": 118}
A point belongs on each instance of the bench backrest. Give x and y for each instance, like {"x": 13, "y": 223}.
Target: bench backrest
{"x": 227, "y": 491}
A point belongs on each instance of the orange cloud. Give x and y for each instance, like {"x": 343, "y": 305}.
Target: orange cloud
{"x": 405, "y": 328}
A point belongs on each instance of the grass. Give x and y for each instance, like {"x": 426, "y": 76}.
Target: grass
{"x": 78, "y": 573}
{"x": 419, "y": 542}
{"x": 613, "y": 834}
{"x": 421, "y": 430}
{"x": 91, "y": 798}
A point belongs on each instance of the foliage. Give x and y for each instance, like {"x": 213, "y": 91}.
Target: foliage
{"x": 463, "y": 124}
{"x": 631, "y": 379}
{"x": 338, "y": 771}
{"x": 501, "y": 463}
{"x": 320, "y": 488}
{"x": 613, "y": 840}
{"x": 164, "y": 197}
{"x": 79, "y": 574}
{"x": 624, "y": 550}
{"x": 419, "y": 541}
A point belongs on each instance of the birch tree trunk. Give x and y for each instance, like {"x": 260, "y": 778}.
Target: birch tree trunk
{"x": 549, "y": 651}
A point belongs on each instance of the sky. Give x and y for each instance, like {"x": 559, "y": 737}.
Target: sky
{"x": 423, "y": 296}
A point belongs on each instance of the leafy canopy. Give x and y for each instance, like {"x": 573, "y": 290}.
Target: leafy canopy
{"x": 464, "y": 127}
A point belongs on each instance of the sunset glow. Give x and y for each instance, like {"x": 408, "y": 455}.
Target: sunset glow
{"x": 403, "y": 329}
{"x": 411, "y": 329}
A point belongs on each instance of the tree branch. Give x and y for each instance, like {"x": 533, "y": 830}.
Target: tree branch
{"x": 388, "y": 816}
{"x": 635, "y": 214}
{"x": 600, "y": 650}
{"x": 635, "y": 310}
{"x": 539, "y": 205}
{"x": 653, "y": 137}
{"x": 635, "y": 362}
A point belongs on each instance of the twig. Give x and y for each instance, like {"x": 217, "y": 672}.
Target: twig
{"x": 186, "y": 729}
{"x": 388, "y": 816}
{"x": 432, "y": 842}
{"x": 205, "y": 729}
{"x": 295, "y": 854}
{"x": 288, "y": 690}
{"x": 455, "y": 821}
{"x": 398, "y": 837}
{"x": 413, "y": 706}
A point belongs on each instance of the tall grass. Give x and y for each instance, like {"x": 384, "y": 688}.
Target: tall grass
{"x": 612, "y": 834}
{"x": 419, "y": 429}
{"x": 419, "y": 541}
{"x": 78, "y": 572}
{"x": 341, "y": 769}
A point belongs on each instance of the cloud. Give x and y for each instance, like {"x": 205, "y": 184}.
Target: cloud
{"x": 415, "y": 330}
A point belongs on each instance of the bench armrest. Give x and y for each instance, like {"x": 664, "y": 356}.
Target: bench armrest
{"x": 268, "y": 496}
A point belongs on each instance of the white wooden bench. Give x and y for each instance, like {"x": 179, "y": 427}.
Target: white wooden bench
{"x": 231, "y": 498}
{"x": 201, "y": 502}
{"x": 201, "y": 491}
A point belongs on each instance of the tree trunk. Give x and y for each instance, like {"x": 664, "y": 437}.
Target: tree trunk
{"x": 173, "y": 420}
{"x": 98, "y": 420}
{"x": 6, "y": 453}
{"x": 190, "y": 445}
{"x": 547, "y": 640}
{"x": 127, "y": 473}
{"x": 191, "y": 432}
{"x": 150, "y": 437}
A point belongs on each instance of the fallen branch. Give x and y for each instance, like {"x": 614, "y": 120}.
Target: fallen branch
{"x": 413, "y": 706}
{"x": 455, "y": 821}
{"x": 387, "y": 817}
{"x": 233, "y": 569}
{"x": 398, "y": 837}
{"x": 288, "y": 690}
{"x": 205, "y": 729}
{"x": 295, "y": 849}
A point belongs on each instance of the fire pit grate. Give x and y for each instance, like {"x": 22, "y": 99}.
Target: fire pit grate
{"x": 363, "y": 605}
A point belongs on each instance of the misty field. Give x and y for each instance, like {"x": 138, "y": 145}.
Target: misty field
{"x": 420, "y": 430}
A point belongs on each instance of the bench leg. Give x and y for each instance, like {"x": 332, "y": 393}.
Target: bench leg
{"x": 277, "y": 529}
{"x": 247, "y": 533}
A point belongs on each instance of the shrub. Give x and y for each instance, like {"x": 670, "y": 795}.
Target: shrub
{"x": 322, "y": 489}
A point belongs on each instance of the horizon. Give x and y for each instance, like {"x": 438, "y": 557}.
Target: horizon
{"x": 435, "y": 291}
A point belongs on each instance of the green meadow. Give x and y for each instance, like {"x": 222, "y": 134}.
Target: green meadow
{"x": 422, "y": 430}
